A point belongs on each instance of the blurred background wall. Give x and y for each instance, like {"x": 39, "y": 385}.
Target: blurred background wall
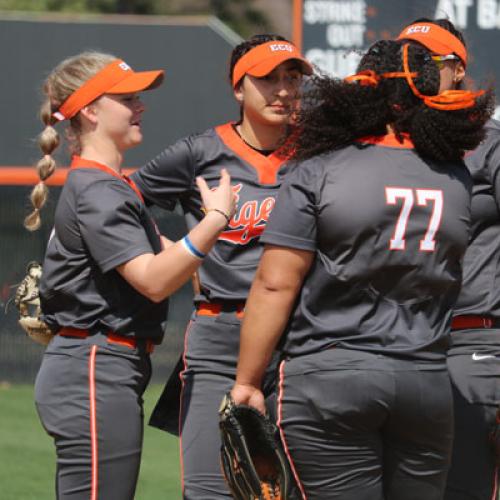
{"x": 334, "y": 34}
{"x": 195, "y": 95}
{"x": 191, "y": 40}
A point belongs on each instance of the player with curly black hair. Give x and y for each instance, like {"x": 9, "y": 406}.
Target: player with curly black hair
{"x": 335, "y": 114}
{"x": 360, "y": 272}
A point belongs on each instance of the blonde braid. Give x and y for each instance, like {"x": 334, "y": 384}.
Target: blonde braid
{"x": 67, "y": 77}
{"x": 48, "y": 141}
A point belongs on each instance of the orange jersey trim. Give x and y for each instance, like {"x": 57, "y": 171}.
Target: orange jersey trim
{"x": 79, "y": 162}
{"x": 267, "y": 167}
{"x": 389, "y": 141}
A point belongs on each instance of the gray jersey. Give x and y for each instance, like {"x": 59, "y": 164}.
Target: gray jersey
{"x": 100, "y": 223}
{"x": 228, "y": 270}
{"x": 389, "y": 231}
{"x": 481, "y": 285}
{"x": 480, "y": 294}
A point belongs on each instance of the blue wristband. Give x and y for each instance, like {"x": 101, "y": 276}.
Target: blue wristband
{"x": 188, "y": 245}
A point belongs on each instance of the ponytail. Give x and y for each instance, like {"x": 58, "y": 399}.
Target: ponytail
{"x": 48, "y": 141}
{"x": 67, "y": 77}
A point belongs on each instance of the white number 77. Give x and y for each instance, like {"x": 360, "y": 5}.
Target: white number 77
{"x": 392, "y": 194}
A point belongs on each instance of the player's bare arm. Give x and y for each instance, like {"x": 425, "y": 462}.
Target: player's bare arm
{"x": 158, "y": 276}
{"x": 278, "y": 280}
{"x": 166, "y": 242}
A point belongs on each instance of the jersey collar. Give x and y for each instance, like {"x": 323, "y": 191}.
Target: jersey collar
{"x": 388, "y": 141}
{"x": 267, "y": 167}
{"x": 79, "y": 162}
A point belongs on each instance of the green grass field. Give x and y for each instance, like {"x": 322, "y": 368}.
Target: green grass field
{"x": 28, "y": 456}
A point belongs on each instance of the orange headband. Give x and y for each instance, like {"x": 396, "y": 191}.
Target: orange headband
{"x": 438, "y": 40}
{"x": 261, "y": 60}
{"x": 368, "y": 77}
{"x": 115, "y": 78}
{"x": 448, "y": 100}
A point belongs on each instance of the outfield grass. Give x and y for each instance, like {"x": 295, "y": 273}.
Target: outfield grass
{"x": 28, "y": 456}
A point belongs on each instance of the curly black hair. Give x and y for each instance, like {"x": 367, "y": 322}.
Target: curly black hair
{"x": 336, "y": 113}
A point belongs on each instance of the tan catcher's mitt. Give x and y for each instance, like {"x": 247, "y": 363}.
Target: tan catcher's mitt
{"x": 253, "y": 463}
{"x": 27, "y": 301}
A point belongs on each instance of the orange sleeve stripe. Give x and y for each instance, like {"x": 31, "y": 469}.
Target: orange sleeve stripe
{"x": 27, "y": 176}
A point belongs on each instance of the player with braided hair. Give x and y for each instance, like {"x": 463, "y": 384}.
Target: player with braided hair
{"x": 361, "y": 269}
{"x": 106, "y": 277}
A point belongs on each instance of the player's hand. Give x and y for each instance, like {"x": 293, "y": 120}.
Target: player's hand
{"x": 221, "y": 198}
{"x": 248, "y": 395}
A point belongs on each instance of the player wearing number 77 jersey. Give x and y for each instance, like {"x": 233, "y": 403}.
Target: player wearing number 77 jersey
{"x": 361, "y": 269}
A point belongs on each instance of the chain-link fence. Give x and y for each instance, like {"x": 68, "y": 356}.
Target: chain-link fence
{"x": 19, "y": 356}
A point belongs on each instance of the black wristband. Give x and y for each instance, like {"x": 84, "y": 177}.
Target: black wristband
{"x": 228, "y": 219}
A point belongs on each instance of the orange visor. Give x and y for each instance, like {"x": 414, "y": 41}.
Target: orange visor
{"x": 115, "y": 78}
{"x": 261, "y": 60}
{"x": 436, "y": 39}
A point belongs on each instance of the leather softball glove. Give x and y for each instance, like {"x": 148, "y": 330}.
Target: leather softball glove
{"x": 253, "y": 462}
{"x": 27, "y": 301}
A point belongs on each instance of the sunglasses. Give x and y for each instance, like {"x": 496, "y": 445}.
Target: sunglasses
{"x": 440, "y": 60}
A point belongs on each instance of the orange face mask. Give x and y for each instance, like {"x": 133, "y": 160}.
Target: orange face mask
{"x": 436, "y": 39}
{"x": 115, "y": 78}
{"x": 261, "y": 60}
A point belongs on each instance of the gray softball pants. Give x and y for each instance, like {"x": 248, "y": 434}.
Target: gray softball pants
{"x": 476, "y": 393}
{"x": 88, "y": 394}
{"x": 360, "y": 426}
{"x": 210, "y": 359}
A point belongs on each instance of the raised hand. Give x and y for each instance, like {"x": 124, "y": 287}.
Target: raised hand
{"x": 220, "y": 199}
